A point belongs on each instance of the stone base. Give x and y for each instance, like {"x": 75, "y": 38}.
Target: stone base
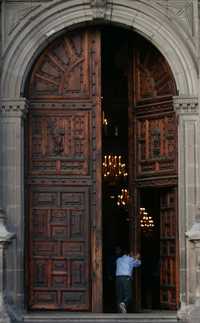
{"x": 4, "y": 318}
{"x": 190, "y": 313}
{"x": 151, "y": 317}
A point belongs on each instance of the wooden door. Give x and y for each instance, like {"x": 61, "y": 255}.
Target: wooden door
{"x": 169, "y": 277}
{"x": 64, "y": 176}
{"x": 152, "y": 141}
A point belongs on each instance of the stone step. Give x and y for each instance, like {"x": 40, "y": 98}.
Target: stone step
{"x": 153, "y": 317}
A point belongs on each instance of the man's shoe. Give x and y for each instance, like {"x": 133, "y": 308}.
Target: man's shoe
{"x": 122, "y": 307}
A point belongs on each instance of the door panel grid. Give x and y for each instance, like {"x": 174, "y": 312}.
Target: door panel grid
{"x": 62, "y": 175}
{"x": 153, "y": 156}
{"x": 64, "y": 169}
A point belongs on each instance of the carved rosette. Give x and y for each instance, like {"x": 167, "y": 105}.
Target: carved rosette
{"x": 13, "y": 107}
{"x": 185, "y": 105}
{"x": 99, "y": 8}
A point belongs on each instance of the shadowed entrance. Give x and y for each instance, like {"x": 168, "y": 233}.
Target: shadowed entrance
{"x": 139, "y": 199}
{"x": 64, "y": 171}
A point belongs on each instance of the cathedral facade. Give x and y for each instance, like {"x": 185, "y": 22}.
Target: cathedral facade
{"x": 57, "y": 82}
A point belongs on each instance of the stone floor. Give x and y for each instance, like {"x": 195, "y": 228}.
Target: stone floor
{"x": 144, "y": 317}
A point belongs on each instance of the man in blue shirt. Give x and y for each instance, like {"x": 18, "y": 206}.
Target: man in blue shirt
{"x": 124, "y": 271}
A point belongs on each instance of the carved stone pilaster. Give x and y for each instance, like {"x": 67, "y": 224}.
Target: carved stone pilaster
{"x": 5, "y": 238}
{"x": 98, "y": 8}
{"x": 185, "y": 105}
{"x": 12, "y": 114}
{"x": 187, "y": 112}
{"x": 13, "y": 107}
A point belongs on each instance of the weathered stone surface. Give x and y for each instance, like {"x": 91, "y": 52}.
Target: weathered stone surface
{"x": 103, "y": 318}
{"x": 12, "y": 113}
{"x": 5, "y": 238}
{"x": 37, "y": 26}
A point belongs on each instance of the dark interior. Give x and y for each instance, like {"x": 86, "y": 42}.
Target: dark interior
{"x": 115, "y": 64}
{"x": 150, "y": 251}
{"x": 115, "y": 142}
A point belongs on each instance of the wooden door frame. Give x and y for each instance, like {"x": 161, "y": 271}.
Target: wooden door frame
{"x": 96, "y": 229}
{"x": 154, "y": 184}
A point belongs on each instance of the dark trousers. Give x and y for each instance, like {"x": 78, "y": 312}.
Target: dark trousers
{"x": 124, "y": 289}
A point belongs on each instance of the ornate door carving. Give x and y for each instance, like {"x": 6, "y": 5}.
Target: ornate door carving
{"x": 153, "y": 151}
{"x": 168, "y": 249}
{"x": 156, "y": 139}
{"x": 64, "y": 269}
{"x": 155, "y": 122}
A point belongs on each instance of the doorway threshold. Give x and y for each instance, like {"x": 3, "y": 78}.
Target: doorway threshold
{"x": 142, "y": 317}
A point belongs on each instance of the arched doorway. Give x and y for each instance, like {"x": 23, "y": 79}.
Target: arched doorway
{"x": 65, "y": 165}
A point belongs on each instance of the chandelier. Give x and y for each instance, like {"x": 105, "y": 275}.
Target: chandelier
{"x": 105, "y": 124}
{"x": 146, "y": 221}
{"x": 113, "y": 166}
{"x": 105, "y": 120}
{"x": 122, "y": 199}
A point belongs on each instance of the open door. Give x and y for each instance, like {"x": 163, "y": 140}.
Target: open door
{"x": 169, "y": 277}
{"x": 64, "y": 176}
{"x": 64, "y": 169}
{"x": 153, "y": 160}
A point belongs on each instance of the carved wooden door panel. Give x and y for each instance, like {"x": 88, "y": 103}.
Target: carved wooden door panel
{"x": 168, "y": 249}
{"x": 155, "y": 121}
{"x": 152, "y": 133}
{"x": 156, "y": 140}
{"x": 64, "y": 176}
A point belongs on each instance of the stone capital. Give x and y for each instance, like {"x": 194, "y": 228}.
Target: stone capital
{"x": 185, "y": 105}
{"x": 16, "y": 107}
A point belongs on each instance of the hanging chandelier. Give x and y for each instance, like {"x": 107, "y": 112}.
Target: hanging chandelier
{"x": 105, "y": 120}
{"x": 122, "y": 199}
{"x": 146, "y": 221}
{"x": 113, "y": 166}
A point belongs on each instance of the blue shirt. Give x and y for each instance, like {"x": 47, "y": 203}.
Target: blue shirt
{"x": 125, "y": 265}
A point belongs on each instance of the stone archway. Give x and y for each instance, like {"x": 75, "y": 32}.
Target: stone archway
{"x": 21, "y": 48}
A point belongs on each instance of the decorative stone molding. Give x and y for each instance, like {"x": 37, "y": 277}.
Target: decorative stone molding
{"x": 5, "y": 238}
{"x": 184, "y": 313}
{"x": 5, "y": 235}
{"x": 99, "y": 8}
{"x": 16, "y": 12}
{"x": 29, "y": 37}
{"x": 194, "y": 233}
{"x": 185, "y": 105}
{"x": 13, "y": 107}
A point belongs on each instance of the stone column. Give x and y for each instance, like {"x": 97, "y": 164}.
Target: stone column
{"x": 5, "y": 238}
{"x": 12, "y": 113}
{"x": 188, "y": 200}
